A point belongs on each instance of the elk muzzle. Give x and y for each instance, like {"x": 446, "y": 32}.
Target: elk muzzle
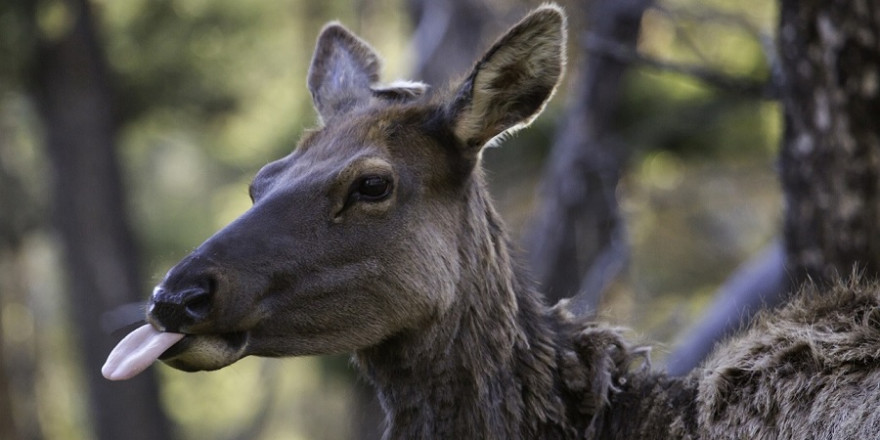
{"x": 174, "y": 310}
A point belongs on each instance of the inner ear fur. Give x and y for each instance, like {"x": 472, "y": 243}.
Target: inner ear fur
{"x": 343, "y": 69}
{"x": 511, "y": 84}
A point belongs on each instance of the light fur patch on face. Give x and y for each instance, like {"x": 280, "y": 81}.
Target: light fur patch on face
{"x": 206, "y": 352}
{"x": 400, "y": 90}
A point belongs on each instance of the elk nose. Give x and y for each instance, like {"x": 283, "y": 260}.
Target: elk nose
{"x": 177, "y": 309}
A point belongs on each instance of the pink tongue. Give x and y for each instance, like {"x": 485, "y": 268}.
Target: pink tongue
{"x": 137, "y": 351}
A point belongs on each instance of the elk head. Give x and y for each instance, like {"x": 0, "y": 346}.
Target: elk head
{"x": 353, "y": 237}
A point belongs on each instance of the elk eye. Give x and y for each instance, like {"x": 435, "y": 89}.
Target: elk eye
{"x": 372, "y": 188}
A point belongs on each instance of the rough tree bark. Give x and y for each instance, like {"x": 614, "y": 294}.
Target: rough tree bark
{"x": 577, "y": 241}
{"x": 830, "y": 158}
{"x": 71, "y": 86}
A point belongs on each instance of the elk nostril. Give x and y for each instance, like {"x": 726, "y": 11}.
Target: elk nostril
{"x": 169, "y": 315}
{"x": 197, "y": 303}
{"x": 178, "y": 309}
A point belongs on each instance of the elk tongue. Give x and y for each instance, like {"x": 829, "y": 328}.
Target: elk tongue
{"x": 137, "y": 351}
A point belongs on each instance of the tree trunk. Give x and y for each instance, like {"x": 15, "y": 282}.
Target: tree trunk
{"x": 830, "y": 158}
{"x": 71, "y": 85}
{"x": 577, "y": 241}
{"x": 448, "y": 36}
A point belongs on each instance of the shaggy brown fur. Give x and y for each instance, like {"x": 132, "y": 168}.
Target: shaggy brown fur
{"x": 377, "y": 237}
{"x": 808, "y": 371}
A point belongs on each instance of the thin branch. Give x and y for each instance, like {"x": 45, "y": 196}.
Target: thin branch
{"x": 758, "y": 283}
{"x": 704, "y": 15}
{"x": 701, "y": 16}
{"x": 606, "y": 267}
{"x": 433, "y": 24}
{"x": 709, "y": 15}
{"x": 720, "y": 80}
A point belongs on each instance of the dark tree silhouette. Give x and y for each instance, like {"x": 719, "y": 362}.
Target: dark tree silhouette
{"x": 72, "y": 90}
{"x": 448, "y": 35}
{"x": 577, "y": 242}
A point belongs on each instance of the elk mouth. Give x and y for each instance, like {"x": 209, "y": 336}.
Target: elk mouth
{"x": 201, "y": 352}
{"x": 140, "y": 348}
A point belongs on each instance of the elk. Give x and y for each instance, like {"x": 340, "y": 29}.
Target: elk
{"x": 376, "y": 236}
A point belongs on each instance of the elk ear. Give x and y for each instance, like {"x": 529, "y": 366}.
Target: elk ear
{"x": 342, "y": 71}
{"x": 513, "y": 81}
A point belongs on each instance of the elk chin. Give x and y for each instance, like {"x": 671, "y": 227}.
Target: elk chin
{"x": 206, "y": 352}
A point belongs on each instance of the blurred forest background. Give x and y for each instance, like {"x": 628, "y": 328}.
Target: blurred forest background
{"x": 129, "y": 131}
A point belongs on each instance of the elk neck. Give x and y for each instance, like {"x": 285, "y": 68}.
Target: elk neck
{"x": 485, "y": 368}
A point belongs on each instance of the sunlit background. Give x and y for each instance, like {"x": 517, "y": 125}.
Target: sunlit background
{"x": 213, "y": 90}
